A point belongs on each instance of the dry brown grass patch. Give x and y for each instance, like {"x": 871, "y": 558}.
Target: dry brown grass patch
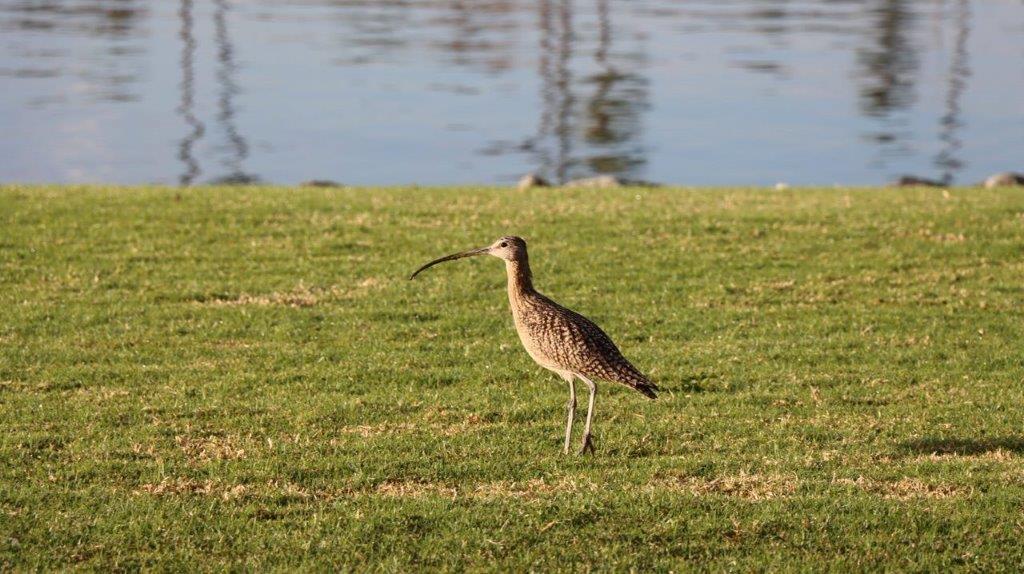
{"x": 369, "y": 431}
{"x": 906, "y": 488}
{"x": 486, "y": 490}
{"x": 413, "y": 489}
{"x": 752, "y": 487}
{"x": 205, "y": 449}
{"x": 180, "y": 486}
{"x": 996, "y": 455}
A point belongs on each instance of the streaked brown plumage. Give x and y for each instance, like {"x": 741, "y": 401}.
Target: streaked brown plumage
{"x": 557, "y": 338}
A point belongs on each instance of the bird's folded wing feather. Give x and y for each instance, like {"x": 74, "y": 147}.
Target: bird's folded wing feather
{"x": 577, "y": 344}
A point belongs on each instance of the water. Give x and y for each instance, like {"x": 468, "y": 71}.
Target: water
{"x": 461, "y": 91}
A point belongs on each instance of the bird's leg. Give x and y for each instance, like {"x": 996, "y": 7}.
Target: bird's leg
{"x": 588, "y": 443}
{"x": 571, "y": 408}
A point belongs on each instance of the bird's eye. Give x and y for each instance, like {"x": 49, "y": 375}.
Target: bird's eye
{"x": 504, "y": 244}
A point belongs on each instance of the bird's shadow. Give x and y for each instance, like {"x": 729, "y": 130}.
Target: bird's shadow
{"x": 963, "y": 446}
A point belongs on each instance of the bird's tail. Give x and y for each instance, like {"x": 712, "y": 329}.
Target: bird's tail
{"x": 640, "y": 383}
{"x": 647, "y": 388}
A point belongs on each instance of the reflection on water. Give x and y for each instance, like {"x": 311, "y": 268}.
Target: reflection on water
{"x": 610, "y": 100}
{"x": 889, "y": 59}
{"x": 889, "y": 64}
{"x": 947, "y": 159}
{"x": 614, "y": 111}
{"x": 459, "y": 91}
{"x": 195, "y": 127}
{"x": 237, "y": 148}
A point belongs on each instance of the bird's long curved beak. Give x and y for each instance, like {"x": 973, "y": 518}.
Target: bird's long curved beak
{"x": 451, "y": 257}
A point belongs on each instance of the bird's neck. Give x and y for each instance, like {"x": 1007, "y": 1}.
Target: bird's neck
{"x": 520, "y": 279}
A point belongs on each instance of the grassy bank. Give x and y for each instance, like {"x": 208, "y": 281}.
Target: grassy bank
{"x": 224, "y": 377}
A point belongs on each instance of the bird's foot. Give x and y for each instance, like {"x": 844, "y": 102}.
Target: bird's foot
{"x": 588, "y": 444}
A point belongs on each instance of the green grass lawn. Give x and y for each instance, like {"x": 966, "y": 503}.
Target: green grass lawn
{"x": 245, "y": 378}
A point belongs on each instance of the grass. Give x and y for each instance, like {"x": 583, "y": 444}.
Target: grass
{"x": 244, "y": 378}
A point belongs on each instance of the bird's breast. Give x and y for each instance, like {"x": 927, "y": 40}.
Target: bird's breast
{"x": 531, "y": 334}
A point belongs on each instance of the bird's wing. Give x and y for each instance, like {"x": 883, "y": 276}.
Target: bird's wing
{"x": 579, "y": 345}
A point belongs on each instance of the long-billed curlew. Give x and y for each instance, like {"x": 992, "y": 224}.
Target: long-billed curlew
{"x": 559, "y": 339}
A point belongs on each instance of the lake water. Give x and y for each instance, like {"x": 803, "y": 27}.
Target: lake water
{"x": 463, "y": 91}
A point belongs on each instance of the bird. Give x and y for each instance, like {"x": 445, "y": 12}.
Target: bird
{"x": 557, "y": 338}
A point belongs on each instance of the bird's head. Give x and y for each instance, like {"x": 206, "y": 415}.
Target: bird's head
{"x": 509, "y": 248}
